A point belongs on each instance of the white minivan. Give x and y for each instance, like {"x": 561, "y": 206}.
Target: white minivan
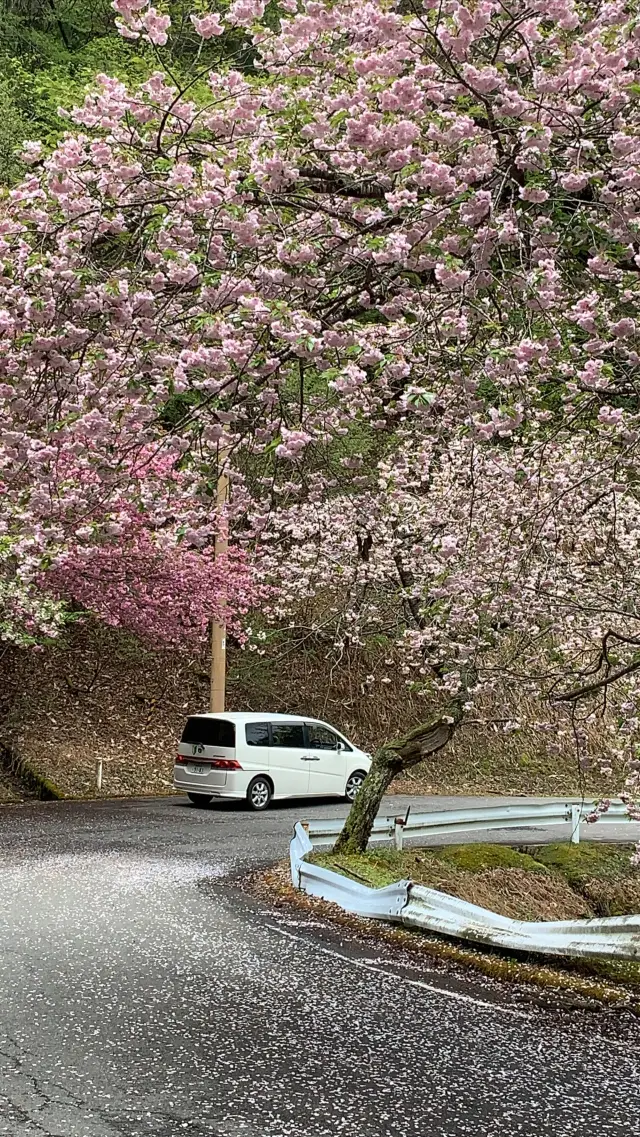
{"x": 261, "y": 756}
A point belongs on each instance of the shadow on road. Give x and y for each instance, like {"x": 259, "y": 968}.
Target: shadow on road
{"x": 290, "y": 804}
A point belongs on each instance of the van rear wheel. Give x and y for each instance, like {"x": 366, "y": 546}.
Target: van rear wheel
{"x": 201, "y": 800}
{"x": 259, "y": 794}
{"x": 353, "y": 785}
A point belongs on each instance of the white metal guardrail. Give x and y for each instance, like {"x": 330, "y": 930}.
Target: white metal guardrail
{"x": 617, "y": 936}
{"x": 383, "y": 903}
{"x": 455, "y": 822}
{"x": 433, "y": 911}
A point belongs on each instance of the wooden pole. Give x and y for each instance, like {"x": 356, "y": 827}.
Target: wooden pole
{"x": 219, "y": 631}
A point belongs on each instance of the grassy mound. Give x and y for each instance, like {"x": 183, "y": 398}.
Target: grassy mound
{"x": 587, "y": 861}
{"x": 478, "y": 858}
{"x": 603, "y": 874}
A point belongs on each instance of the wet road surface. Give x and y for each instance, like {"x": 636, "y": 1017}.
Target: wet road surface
{"x": 141, "y": 993}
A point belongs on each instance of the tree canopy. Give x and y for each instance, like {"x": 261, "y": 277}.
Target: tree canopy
{"x": 386, "y": 274}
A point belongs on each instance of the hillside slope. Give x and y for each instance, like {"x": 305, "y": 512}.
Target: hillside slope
{"x": 100, "y": 694}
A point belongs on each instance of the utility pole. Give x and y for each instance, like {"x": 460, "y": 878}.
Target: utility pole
{"x": 219, "y": 631}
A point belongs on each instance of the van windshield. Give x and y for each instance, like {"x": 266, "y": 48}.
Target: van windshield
{"x": 209, "y": 732}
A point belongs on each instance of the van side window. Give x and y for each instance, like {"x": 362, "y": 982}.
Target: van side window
{"x": 287, "y": 734}
{"x": 257, "y": 733}
{"x": 209, "y": 732}
{"x": 320, "y": 737}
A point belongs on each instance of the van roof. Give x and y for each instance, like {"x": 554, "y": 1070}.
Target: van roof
{"x": 252, "y": 716}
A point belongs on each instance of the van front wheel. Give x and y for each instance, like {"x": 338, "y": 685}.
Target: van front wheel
{"x": 259, "y": 794}
{"x": 201, "y": 800}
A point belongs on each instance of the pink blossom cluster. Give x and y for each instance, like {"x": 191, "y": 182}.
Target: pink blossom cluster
{"x": 138, "y": 17}
{"x": 162, "y": 595}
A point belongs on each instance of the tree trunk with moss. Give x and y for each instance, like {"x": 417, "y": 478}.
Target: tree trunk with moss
{"x": 389, "y": 761}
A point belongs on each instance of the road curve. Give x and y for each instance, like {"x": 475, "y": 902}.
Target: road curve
{"x": 143, "y": 995}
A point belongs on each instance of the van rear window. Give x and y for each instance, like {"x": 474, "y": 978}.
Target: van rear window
{"x": 257, "y": 733}
{"x": 210, "y": 732}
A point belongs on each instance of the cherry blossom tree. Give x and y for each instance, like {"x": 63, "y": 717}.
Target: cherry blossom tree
{"x": 391, "y": 273}
{"x": 142, "y": 567}
{"x": 488, "y": 569}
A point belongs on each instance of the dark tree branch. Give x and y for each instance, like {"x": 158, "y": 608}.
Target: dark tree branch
{"x": 408, "y": 582}
{"x": 329, "y": 182}
{"x": 585, "y": 689}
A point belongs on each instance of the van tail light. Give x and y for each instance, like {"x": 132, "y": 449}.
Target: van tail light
{"x": 215, "y": 763}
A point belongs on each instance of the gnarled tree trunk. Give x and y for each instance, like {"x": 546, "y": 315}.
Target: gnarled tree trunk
{"x": 390, "y": 760}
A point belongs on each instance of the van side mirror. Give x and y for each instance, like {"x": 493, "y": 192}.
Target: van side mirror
{"x": 339, "y": 746}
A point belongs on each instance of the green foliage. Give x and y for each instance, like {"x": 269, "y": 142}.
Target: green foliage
{"x": 13, "y": 129}
{"x": 178, "y": 407}
{"x": 40, "y": 73}
{"x": 52, "y": 50}
{"x": 50, "y": 31}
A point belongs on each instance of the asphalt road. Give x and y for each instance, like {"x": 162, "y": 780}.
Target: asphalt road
{"x": 141, "y": 993}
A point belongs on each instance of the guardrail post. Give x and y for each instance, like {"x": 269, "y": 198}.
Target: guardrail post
{"x": 398, "y": 827}
{"x": 99, "y": 773}
{"x": 575, "y": 824}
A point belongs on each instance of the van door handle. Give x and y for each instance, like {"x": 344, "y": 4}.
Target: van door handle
{"x": 309, "y": 758}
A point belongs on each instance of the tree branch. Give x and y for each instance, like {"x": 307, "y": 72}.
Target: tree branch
{"x": 589, "y": 688}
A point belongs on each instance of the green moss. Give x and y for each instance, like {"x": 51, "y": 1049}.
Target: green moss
{"x": 578, "y": 864}
{"x": 614, "y": 970}
{"x": 436, "y": 868}
{"x": 477, "y": 858}
{"x": 42, "y": 787}
{"x": 377, "y": 869}
{"x": 589, "y": 860}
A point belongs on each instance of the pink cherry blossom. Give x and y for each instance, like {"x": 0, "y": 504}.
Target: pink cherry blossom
{"x": 156, "y": 25}
{"x": 207, "y": 26}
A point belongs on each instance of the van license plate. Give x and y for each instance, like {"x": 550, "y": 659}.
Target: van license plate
{"x": 193, "y": 769}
